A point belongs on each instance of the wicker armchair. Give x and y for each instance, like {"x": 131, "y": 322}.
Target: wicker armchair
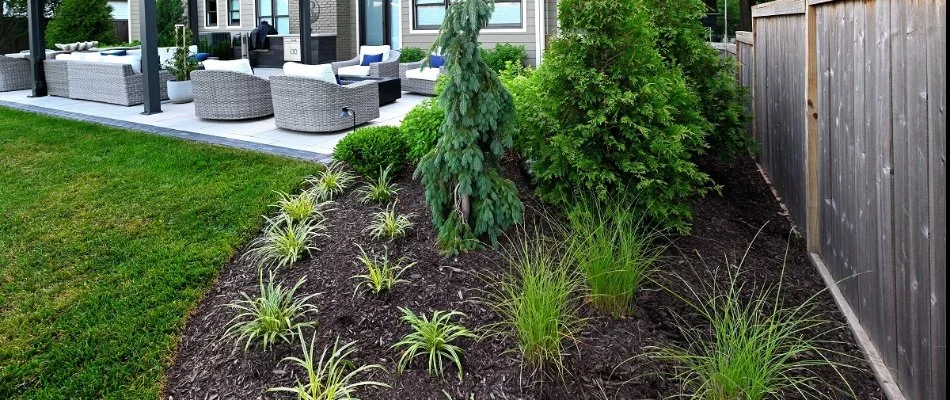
{"x": 311, "y": 105}
{"x": 386, "y": 69}
{"x": 14, "y": 74}
{"x": 110, "y": 83}
{"x": 57, "y": 77}
{"x": 227, "y": 95}
{"x": 420, "y": 86}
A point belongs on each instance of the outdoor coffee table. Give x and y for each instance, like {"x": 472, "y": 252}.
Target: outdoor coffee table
{"x": 390, "y": 89}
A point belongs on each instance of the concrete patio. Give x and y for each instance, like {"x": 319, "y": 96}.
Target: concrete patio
{"x": 179, "y": 120}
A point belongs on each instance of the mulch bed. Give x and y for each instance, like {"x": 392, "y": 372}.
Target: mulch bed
{"x": 608, "y": 360}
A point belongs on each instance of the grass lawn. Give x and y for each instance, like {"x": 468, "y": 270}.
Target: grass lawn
{"x": 107, "y": 239}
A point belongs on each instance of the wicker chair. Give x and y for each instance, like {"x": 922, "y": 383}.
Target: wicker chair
{"x": 57, "y": 77}
{"x": 228, "y": 95}
{"x": 110, "y": 83}
{"x": 386, "y": 69}
{"x": 14, "y": 74}
{"x": 311, "y": 105}
{"x": 420, "y": 86}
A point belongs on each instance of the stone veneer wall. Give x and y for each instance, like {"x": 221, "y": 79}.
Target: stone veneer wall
{"x": 326, "y": 23}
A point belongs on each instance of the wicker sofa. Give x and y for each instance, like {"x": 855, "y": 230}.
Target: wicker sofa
{"x": 99, "y": 81}
{"x": 385, "y": 69}
{"x": 229, "y": 95}
{"x": 14, "y": 74}
{"x": 57, "y": 77}
{"x": 420, "y": 86}
{"x": 311, "y": 105}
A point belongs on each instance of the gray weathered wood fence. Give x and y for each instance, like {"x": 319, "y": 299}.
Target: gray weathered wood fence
{"x": 849, "y": 104}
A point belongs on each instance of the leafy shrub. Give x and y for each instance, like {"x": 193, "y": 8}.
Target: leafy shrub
{"x": 422, "y": 128}
{"x": 332, "y": 376}
{"x": 503, "y": 54}
{"x": 370, "y": 150}
{"x": 381, "y": 274}
{"x": 411, "y": 54}
{"x": 537, "y": 301}
{"x": 331, "y": 181}
{"x": 169, "y": 13}
{"x": 389, "y": 224}
{"x": 379, "y": 191}
{"x": 613, "y": 115}
{"x": 464, "y": 189}
{"x": 285, "y": 241}
{"x": 682, "y": 41}
{"x": 616, "y": 250}
{"x": 755, "y": 347}
{"x": 275, "y": 314}
{"x": 81, "y": 21}
{"x": 433, "y": 338}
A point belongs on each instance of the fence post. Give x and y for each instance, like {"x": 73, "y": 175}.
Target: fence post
{"x": 812, "y": 150}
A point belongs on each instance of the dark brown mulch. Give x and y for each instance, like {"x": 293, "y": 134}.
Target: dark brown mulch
{"x": 608, "y": 361}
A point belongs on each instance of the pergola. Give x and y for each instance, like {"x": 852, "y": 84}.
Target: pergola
{"x": 149, "y": 39}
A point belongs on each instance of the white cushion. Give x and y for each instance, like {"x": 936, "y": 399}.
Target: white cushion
{"x": 90, "y": 57}
{"x": 322, "y": 72}
{"x": 426, "y": 74}
{"x": 67, "y": 57}
{"x": 355, "y": 70}
{"x": 132, "y": 60}
{"x": 242, "y": 66}
{"x": 384, "y": 50}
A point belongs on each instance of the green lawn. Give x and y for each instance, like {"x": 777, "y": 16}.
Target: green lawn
{"x": 107, "y": 239}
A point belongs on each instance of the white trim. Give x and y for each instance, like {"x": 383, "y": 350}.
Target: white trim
{"x": 217, "y": 13}
{"x": 399, "y": 22}
{"x": 523, "y": 29}
{"x": 541, "y": 26}
{"x": 131, "y": 17}
{"x": 240, "y": 14}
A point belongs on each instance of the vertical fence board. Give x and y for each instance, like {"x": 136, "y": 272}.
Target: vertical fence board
{"x": 937, "y": 104}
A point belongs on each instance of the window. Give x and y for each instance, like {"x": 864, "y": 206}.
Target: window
{"x": 234, "y": 12}
{"x": 211, "y": 13}
{"x": 428, "y": 14}
{"x": 276, "y": 13}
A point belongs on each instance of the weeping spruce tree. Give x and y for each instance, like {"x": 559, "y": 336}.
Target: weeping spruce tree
{"x": 464, "y": 188}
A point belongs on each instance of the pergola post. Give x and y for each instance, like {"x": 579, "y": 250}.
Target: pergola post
{"x": 35, "y": 14}
{"x": 150, "y": 67}
{"x": 306, "y": 55}
{"x": 193, "y": 20}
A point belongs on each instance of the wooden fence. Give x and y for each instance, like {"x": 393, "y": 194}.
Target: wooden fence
{"x": 849, "y": 104}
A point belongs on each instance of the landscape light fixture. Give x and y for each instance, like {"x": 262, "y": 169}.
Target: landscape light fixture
{"x": 349, "y": 112}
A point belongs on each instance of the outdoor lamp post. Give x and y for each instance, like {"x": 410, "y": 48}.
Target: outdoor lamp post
{"x": 349, "y": 112}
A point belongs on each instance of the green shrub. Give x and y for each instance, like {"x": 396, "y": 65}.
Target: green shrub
{"x": 422, "y": 128}
{"x": 502, "y": 54}
{"x": 613, "y": 116}
{"x": 81, "y": 21}
{"x": 682, "y": 41}
{"x": 371, "y": 150}
{"x": 411, "y": 54}
{"x": 169, "y": 13}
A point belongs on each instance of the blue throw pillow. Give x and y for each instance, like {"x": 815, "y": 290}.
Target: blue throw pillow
{"x": 201, "y": 57}
{"x": 371, "y": 58}
{"x": 436, "y": 61}
{"x": 113, "y": 53}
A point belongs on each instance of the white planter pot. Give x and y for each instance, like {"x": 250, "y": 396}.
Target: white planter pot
{"x": 179, "y": 92}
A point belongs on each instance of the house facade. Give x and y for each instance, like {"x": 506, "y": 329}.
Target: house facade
{"x": 398, "y": 23}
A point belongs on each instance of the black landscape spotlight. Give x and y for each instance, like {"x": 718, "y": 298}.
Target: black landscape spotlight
{"x": 349, "y": 112}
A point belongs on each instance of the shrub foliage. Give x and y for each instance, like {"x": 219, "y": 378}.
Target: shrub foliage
{"x": 464, "y": 188}
{"x": 371, "y": 150}
{"x": 682, "y": 41}
{"x": 168, "y": 14}
{"x": 422, "y": 128}
{"x": 411, "y": 54}
{"x": 503, "y": 54}
{"x": 614, "y": 116}
{"x": 81, "y": 21}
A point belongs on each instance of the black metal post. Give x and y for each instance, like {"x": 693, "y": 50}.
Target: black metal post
{"x": 35, "y": 14}
{"x": 150, "y": 67}
{"x": 306, "y": 56}
{"x": 193, "y": 20}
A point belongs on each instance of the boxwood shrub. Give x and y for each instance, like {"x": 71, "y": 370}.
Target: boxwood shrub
{"x": 422, "y": 128}
{"x": 368, "y": 150}
{"x": 411, "y": 54}
{"x": 502, "y": 54}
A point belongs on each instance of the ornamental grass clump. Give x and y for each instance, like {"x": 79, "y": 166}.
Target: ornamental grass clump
{"x": 390, "y": 225}
{"x": 381, "y": 273}
{"x": 275, "y": 314}
{"x": 332, "y": 181}
{"x": 379, "y": 190}
{"x": 537, "y": 302}
{"x": 301, "y": 207}
{"x": 433, "y": 338}
{"x": 464, "y": 189}
{"x": 285, "y": 241}
{"x": 331, "y": 377}
{"x": 755, "y": 347}
{"x": 616, "y": 250}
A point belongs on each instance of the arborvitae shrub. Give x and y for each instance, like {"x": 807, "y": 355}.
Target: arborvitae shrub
{"x": 168, "y": 14}
{"x": 81, "y": 21}
{"x": 422, "y": 128}
{"x": 370, "y": 150}
{"x": 609, "y": 116}
{"x": 682, "y": 41}
{"x": 466, "y": 194}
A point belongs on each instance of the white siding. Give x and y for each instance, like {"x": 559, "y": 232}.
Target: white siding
{"x": 120, "y": 10}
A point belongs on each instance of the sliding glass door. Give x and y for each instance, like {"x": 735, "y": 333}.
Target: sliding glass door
{"x": 379, "y": 23}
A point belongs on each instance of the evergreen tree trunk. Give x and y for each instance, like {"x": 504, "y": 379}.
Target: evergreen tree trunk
{"x": 745, "y": 15}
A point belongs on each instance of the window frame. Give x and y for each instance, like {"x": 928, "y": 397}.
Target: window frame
{"x": 272, "y": 19}
{"x": 233, "y": 12}
{"x": 414, "y": 9}
{"x": 209, "y": 12}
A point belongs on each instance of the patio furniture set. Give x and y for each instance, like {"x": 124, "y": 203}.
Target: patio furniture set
{"x": 307, "y": 98}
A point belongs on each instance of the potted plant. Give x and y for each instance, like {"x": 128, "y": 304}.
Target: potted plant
{"x": 180, "y": 66}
